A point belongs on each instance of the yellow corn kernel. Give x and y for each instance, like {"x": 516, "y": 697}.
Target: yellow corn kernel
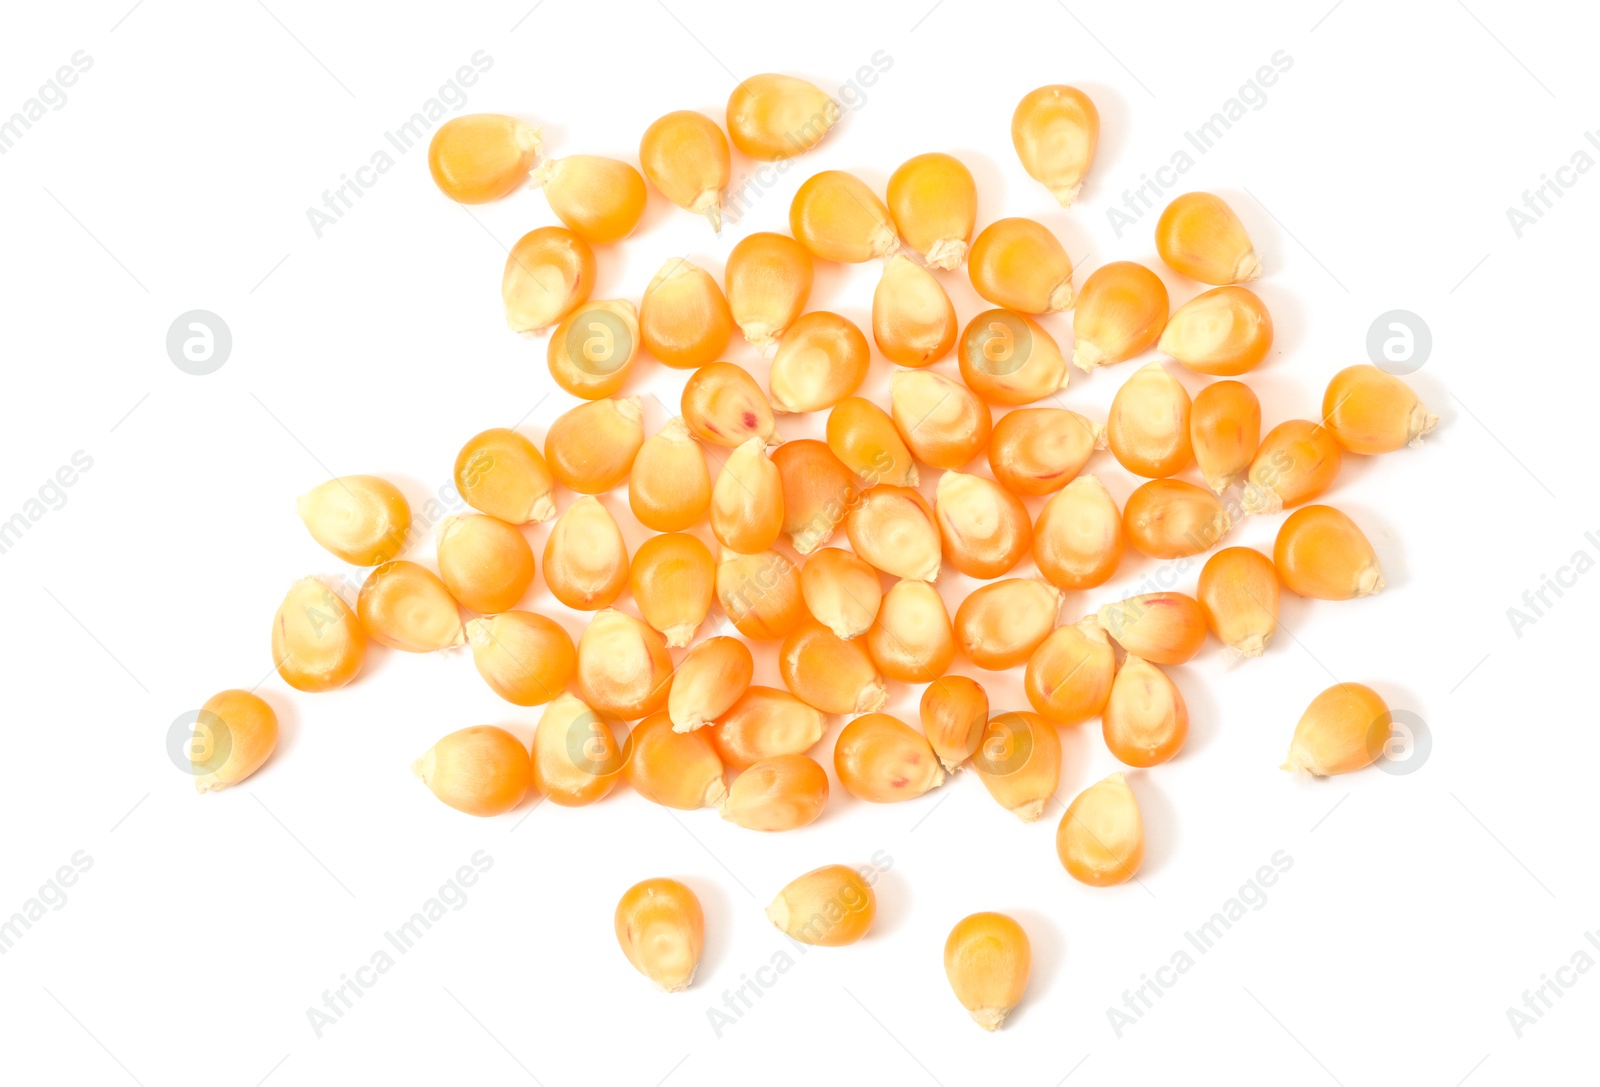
{"x": 1036, "y": 451}
{"x": 881, "y": 759}
{"x": 1170, "y": 519}
{"x": 669, "y": 485}
{"x": 674, "y": 769}
{"x": 818, "y": 492}
{"x": 480, "y": 770}
{"x": 1019, "y": 762}
{"x": 1321, "y": 553}
{"x": 768, "y": 277}
{"x": 1078, "y": 540}
{"x": 984, "y": 529}
{"x": 1121, "y": 311}
{"x": 838, "y": 217}
{"x": 781, "y": 793}
{"x": 822, "y": 359}
{"x": 576, "y": 759}
{"x": 685, "y": 156}
{"x": 1297, "y": 461}
{"x": 585, "y": 558}
{"x": 863, "y": 437}
{"x": 1225, "y": 432}
{"x": 623, "y": 666}
{"x": 841, "y": 591}
{"x": 1148, "y": 427}
{"x": 673, "y": 581}
{"x": 1055, "y": 130}
{"x": 1101, "y": 837}
{"x": 661, "y": 929}
{"x": 1069, "y": 676}
{"x": 485, "y": 563}
{"x": 1238, "y": 591}
{"x": 599, "y": 199}
{"x": 405, "y": 606}
{"x": 593, "y": 348}
{"x": 481, "y": 156}
{"x": 1345, "y": 728}
{"x": 829, "y": 907}
{"x": 1018, "y": 264}
{"x": 826, "y": 672}
{"x": 1166, "y": 627}
{"x": 684, "y": 319}
{"x": 940, "y": 420}
{"x": 987, "y": 958}
{"x": 1370, "y": 412}
{"x": 723, "y": 405}
{"x": 591, "y": 448}
{"x": 525, "y": 658}
{"x": 317, "y": 641}
{"x": 747, "y": 500}
{"x": 503, "y": 474}
{"x": 1223, "y": 332}
{"x": 1199, "y": 236}
{"x": 999, "y": 625}
{"x": 1145, "y": 720}
{"x": 773, "y": 116}
{"x": 764, "y": 724}
{"x": 893, "y": 529}
{"x": 913, "y": 319}
{"x": 235, "y": 733}
{"x": 934, "y": 202}
{"x": 911, "y": 639}
{"x": 361, "y": 519}
{"x": 760, "y": 593}
{"x": 549, "y": 273}
{"x": 712, "y": 677}
{"x": 954, "y": 711}
{"x": 1008, "y": 358}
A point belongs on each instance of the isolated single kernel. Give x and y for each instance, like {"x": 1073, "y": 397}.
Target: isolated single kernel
{"x": 1008, "y": 358}
{"x": 405, "y": 606}
{"x": 1171, "y": 519}
{"x": 1078, "y": 539}
{"x": 764, "y": 724}
{"x": 623, "y": 666}
{"x": 893, "y": 528}
{"x": 576, "y": 757}
{"x": 1019, "y": 762}
{"x": 822, "y": 359}
{"x": 987, "y": 958}
{"x": 828, "y": 907}
{"x": 585, "y": 557}
{"x": 361, "y": 519}
{"x": 1321, "y": 553}
{"x": 669, "y": 485}
{"x": 481, "y": 156}
{"x": 661, "y": 929}
{"x": 1371, "y": 412}
{"x": 1145, "y": 721}
{"x": 760, "y": 593}
{"x": 1345, "y": 728}
{"x": 829, "y": 673}
{"x": 784, "y": 792}
{"x": 317, "y": 641}
{"x": 591, "y": 448}
{"x": 503, "y": 474}
{"x": 525, "y": 658}
{"x": 911, "y": 639}
{"x": 1121, "y": 311}
{"x": 773, "y": 116}
{"x": 840, "y": 591}
{"x": 592, "y": 350}
{"x": 1069, "y": 676}
{"x": 984, "y": 528}
{"x": 675, "y": 769}
{"x": 549, "y": 273}
{"x": 1199, "y": 236}
{"x": 1148, "y": 426}
{"x": 942, "y": 422}
{"x": 1018, "y": 264}
{"x": 485, "y": 563}
{"x": 934, "y": 202}
{"x": 1238, "y": 591}
{"x": 838, "y": 217}
{"x": 954, "y": 711}
{"x": 685, "y": 156}
{"x": 913, "y": 319}
{"x": 482, "y": 770}
{"x": 999, "y": 625}
{"x": 881, "y": 759}
{"x": 1223, "y": 332}
{"x": 712, "y": 677}
{"x": 599, "y": 199}
{"x": 684, "y": 318}
{"x": 235, "y": 733}
{"x": 673, "y": 581}
{"x": 1101, "y": 837}
{"x": 1225, "y": 432}
{"x": 768, "y": 279}
{"x": 1055, "y": 130}
{"x": 723, "y": 405}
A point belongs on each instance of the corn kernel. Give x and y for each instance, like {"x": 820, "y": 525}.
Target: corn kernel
{"x": 593, "y": 348}
{"x": 999, "y": 625}
{"x": 987, "y": 958}
{"x": 1199, "y": 236}
{"x": 549, "y": 273}
{"x": 1223, "y": 332}
{"x": 984, "y": 529}
{"x": 1008, "y": 358}
{"x": 623, "y": 666}
{"x": 893, "y": 529}
{"x": 684, "y": 319}
{"x": 773, "y": 117}
{"x": 1101, "y": 837}
{"x": 485, "y": 563}
{"x": 1148, "y": 427}
{"x": 1145, "y": 721}
{"x": 818, "y": 492}
{"x": 480, "y": 770}
{"x": 1225, "y": 432}
{"x": 1321, "y": 553}
{"x": 1069, "y": 676}
{"x": 864, "y": 438}
{"x": 685, "y": 156}
{"x": 673, "y": 581}
{"x": 712, "y": 677}
{"x": 723, "y": 405}
{"x": 1055, "y": 130}
{"x": 1037, "y": 451}
{"x": 954, "y": 711}
{"x": 764, "y": 724}
{"x": 576, "y": 758}
{"x": 1078, "y": 540}
{"x": 481, "y": 156}
{"x": 585, "y": 558}
{"x": 768, "y": 277}
{"x": 599, "y": 199}
{"x": 829, "y": 907}
{"x": 1297, "y": 461}
{"x": 1171, "y": 519}
{"x": 1345, "y": 728}
{"x": 913, "y": 319}
{"x": 405, "y": 606}
{"x": 1371, "y": 412}
{"x": 1121, "y": 311}
{"x": 503, "y": 474}
{"x": 361, "y": 519}
{"x": 821, "y": 360}
{"x": 940, "y": 420}
{"x": 525, "y": 658}
{"x": 838, "y": 217}
{"x": 784, "y": 792}
{"x": 911, "y": 639}
{"x": 591, "y": 448}
{"x": 881, "y": 759}
{"x": 841, "y": 591}
{"x": 1019, "y": 762}
{"x": 760, "y": 593}
{"x": 235, "y": 733}
{"x": 747, "y": 500}
{"x": 1238, "y": 592}
{"x": 669, "y": 485}
{"x": 1168, "y": 628}
{"x": 662, "y": 930}
{"x": 934, "y": 202}
{"x": 1018, "y": 264}
{"x": 674, "y": 769}
{"x": 826, "y": 672}
{"x": 317, "y": 641}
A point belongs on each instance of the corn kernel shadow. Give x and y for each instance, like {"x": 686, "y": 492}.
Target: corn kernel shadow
{"x": 1160, "y": 823}
{"x": 1049, "y": 952}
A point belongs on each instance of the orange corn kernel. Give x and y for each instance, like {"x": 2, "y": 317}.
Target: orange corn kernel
{"x": 1297, "y": 461}
{"x": 760, "y": 593}
{"x": 768, "y": 279}
{"x": 784, "y": 792}
{"x": 723, "y": 405}
{"x": 674, "y": 769}
{"x": 911, "y": 639}
{"x": 503, "y": 474}
{"x": 685, "y": 156}
{"x": 1321, "y": 553}
{"x": 585, "y": 557}
{"x": 661, "y": 929}
{"x": 623, "y": 666}
{"x": 829, "y": 673}
{"x": 829, "y": 907}
{"x": 1008, "y": 358}
{"x": 1101, "y": 837}
{"x": 1018, "y": 264}
{"x": 863, "y": 437}
{"x": 673, "y": 581}
{"x": 669, "y": 485}
{"x": 774, "y": 116}
{"x": 405, "y": 606}
{"x": 712, "y": 677}
{"x": 1168, "y": 628}
{"x": 1055, "y": 130}
{"x": 235, "y": 733}
{"x": 599, "y": 199}
{"x": 480, "y": 770}
{"x": 1036, "y": 451}
{"x": 822, "y": 359}
{"x": 1224, "y": 332}
{"x": 1199, "y": 236}
{"x": 766, "y": 723}
{"x": 1238, "y": 592}
{"x": 363, "y": 520}
{"x": 576, "y": 758}
{"x": 317, "y": 641}
{"x": 1169, "y": 519}
{"x": 1369, "y": 411}
{"x": 1148, "y": 427}
{"x": 593, "y": 348}
{"x": 549, "y": 273}
{"x": 893, "y": 528}
{"x": 1019, "y": 762}
{"x": 591, "y": 448}
{"x": 838, "y": 217}
{"x": 683, "y": 318}
{"x": 934, "y": 202}
{"x": 913, "y": 319}
{"x": 747, "y": 500}
{"x": 481, "y": 157}
{"x": 881, "y": 759}
{"x": 941, "y": 421}
{"x": 999, "y": 625}
{"x": 987, "y": 958}
{"x": 1069, "y": 676}
{"x": 1345, "y": 728}
{"x": 525, "y": 658}
{"x": 1145, "y": 720}
{"x": 1225, "y": 432}
{"x": 818, "y": 492}
{"x": 485, "y": 563}
{"x": 983, "y": 528}
{"x": 841, "y": 591}
{"x": 954, "y": 711}
{"x": 1078, "y": 539}
{"x": 1121, "y": 311}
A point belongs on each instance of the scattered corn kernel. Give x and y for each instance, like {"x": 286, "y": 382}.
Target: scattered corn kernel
{"x": 934, "y": 202}
{"x": 1297, "y": 461}
{"x": 481, "y": 156}
{"x": 591, "y": 448}
{"x": 593, "y": 348}
{"x": 841, "y": 591}
{"x": 954, "y": 711}
{"x": 674, "y": 769}
{"x": 774, "y": 116}
{"x": 361, "y": 519}
{"x": 1148, "y": 427}
{"x": 684, "y": 319}
{"x": 585, "y": 557}
{"x": 864, "y": 438}
{"x": 1166, "y": 627}
{"x": 911, "y": 639}
{"x": 1101, "y": 837}
{"x": 984, "y": 529}
{"x": 747, "y": 500}
{"x": 599, "y": 199}
{"x": 661, "y": 929}
{"x": 480, "y": 770}
{"x": 764, "y": 724}
{"x": 1370, "y": 412}
{"x": 881, "y": 759}
{"x": 1145, "y": 720}
{"x": 525, "y": 658}
{"x": 784, "y": 792}
{"x": 829, "y": 907}
{"x": 999, "y": 625}
{"x": 818, "y": 492}
{"x": 673, "y": 581}
{"x": 1223, "y": 332}
{"x": 821, "y": 360}
{"x": 235, "y": 733}
{"x": 768, "y": 277}
{"x": 1345, "y": 728}
{"x": 1121, "y": 311}
{"x": 893, "y": 529}
{"x": 723, "y": 405}
{"x": 549, "y": 273}
{"x": 485, "y": 563}
{"x": 1225, "y": 432}
{"x": 1055, "y": 130}
{"x": 1008, "y": 358}
{"x": 1078, "y": 540}
{"x": 1019, "y": 762}
{"x": 1238, "y": 592}
{"x": 405, "y": 606}
{"x": 1171, "y": 519}
{"x": 941, "y": 421}
{"x": 1018, "y": 264}
{"x": 760, "y": 593}
{"x": 712, "y": 677}
{"x": 623, "y": 666}
{"x": 913, "y": 319}
{"x": 669, "y": 485}
{"x": 1321, "y": 553}
{"x": 1037, "y": 451}
{"x": 829, "y": 673}
{"x": 317, "y": 641}
{"x": 1199, "y": 236}
{"x": 1069, "y": 676}
{"x": 685, "y": 156}
{"x": 503, "y": 474}
{"x": 576, "y": 758}
{"x": 987, "y": 958}
{"x": 838, "y": 217}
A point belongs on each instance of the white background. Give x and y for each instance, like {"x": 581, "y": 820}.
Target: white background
{"x": 1376, "y": 176}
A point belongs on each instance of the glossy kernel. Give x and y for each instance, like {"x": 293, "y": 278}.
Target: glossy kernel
{"x": 661, "y": 929}
{"x": 674, "y": 769}
{"x": 954, "y": 711}
{"x": 766, "y": 723}
{"x": 235, "y": 733}
{"x": 881, "y": 759}
{"x": 818, "y": 492}
{"x": 1345, "y": 728}
{"x": 941, "y": 421}
{"x": 685, "y": 156}
{"x": 1225, "y": 432}
{"x": 1018, "y": 264}
{"x": 863, "y": 436}
{"x": 1369, "y": 411}
{"x": 1101, "y": 837}
{"x": 1121, "y": 311}
{"x": 1145, "y": 721}
{"x": 784, "y": 792}
{"x": 934, "y": 202}
{"x": 913, "y": 319}
{"x": 1165, "y": 627}
{"x": 984, "y": 529}
{"x": 1148, "y": 426}
{"x": 1037, "y": 451}
{"x": 1321, "y": 553}
{"x": 712, "y": 677}
{"x": 723, "y": 405}
{"x": 673, "y": 581}
{"x": 1171, "y": 519}
{"x": 599, "y": 199}
{"x": 669, "y": 484}
{"x": 1199, "y": 235}
{"x": 1297, "y": 461}
{"x": 768, "y": 279}
{"x": 1008, "y": 358}
{"x": 549, "y": 273}
{"x": 317, "y": 641}
{"x": 774, "y": 116}
{"x": 1078, "y": 539}
{"x": 1238, "y": 591}
{"x": 841, "y": 591}
{"x": 405, "y": 606}
{"x": 480, "y": 770}
{"x": 822, "y": 359}
{"x": 591, "y": 448}
{"x": 1069, "y": 676}
{"x": 828, "y": 907}
{"x": 911, "y": 639}
{"x": 576, "y": 758}
{"x": 525, "y": 658}
{"x": 503, "y": 474}
{"x": 585, "y": 557}
{"x": 592, "y": 350}
{"x": 893, "y": 528}
{"x": 987, "y": 958}
{"x": 829, "y": 673}
{"x": 1019, "y": 762}
{"x": 760, "y": 593}
{"x": 684, "y": 318}
{"x": 485, "y": 563}
{"x": 363, "y": 520}
{"x": 747, "y": 500}
{"x": 1224, "y": 332}
{"x": 1055, "y": 130}
{"x": 481, "y": 156}
{"x": 1000, "y": 624}
{"x": 623, "y": 666}
{"x": 838, "y": 217}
